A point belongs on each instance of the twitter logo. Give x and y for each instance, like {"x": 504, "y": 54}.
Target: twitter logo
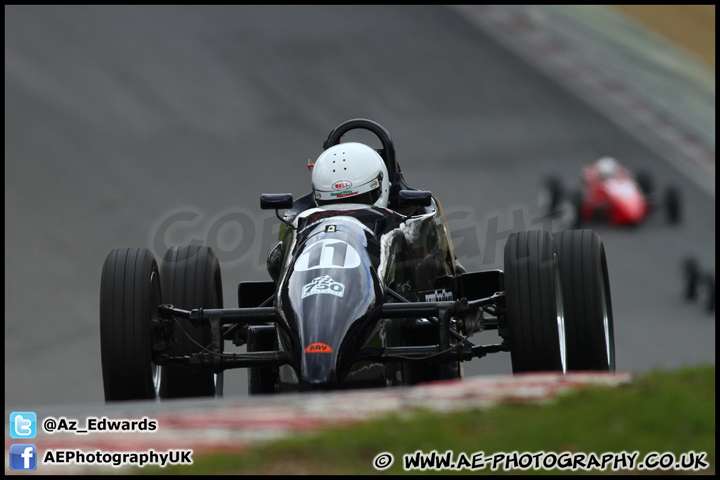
{"x": 23, "y": 425}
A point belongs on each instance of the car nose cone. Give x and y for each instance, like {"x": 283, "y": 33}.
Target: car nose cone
{"x": 319, "y": 368}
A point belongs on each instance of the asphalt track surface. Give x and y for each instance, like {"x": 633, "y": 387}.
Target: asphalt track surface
{"x": 154, "y": 126}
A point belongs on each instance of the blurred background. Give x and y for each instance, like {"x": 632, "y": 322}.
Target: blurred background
{"x": 151, "y": 126}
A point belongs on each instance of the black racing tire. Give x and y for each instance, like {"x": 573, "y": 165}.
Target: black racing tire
{"x": 576, "y": 202}
{"x": 589, "y": 332}
{"x": 191, "y": 279}
{"x": 533, "y": 300}
{"x": 551, "y": 194}
{"x": 129, "y": 298}
{"x": 261, "y": 380}
{"x": 645, "y": 182}
{"x": 709, "y": 300}
{"x": 691, "y": 272}
{"x": 673, "y": 206}
{"x": 422, "y": 332}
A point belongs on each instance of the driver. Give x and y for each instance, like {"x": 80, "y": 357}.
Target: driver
{"x": 599, "y": 171}
{"x": 346, "y": 173}
{"x": 350, "y": 173}
{"x": 607, "y": 167}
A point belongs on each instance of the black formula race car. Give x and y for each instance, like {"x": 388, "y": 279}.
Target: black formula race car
{"x": 359, "y": 296}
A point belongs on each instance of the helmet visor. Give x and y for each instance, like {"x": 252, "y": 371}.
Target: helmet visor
{"x": 367, "y": 193}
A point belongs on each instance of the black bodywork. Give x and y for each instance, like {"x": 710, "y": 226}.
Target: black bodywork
{"x": 359, "y": 296}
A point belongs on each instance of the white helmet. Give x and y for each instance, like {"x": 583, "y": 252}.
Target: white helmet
{"x": 350, "y": 173}
{"x": 607, "y": 167}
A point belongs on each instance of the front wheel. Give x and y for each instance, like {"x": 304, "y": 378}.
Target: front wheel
{"x": 191, "y": 279}
{"x": 534, "y": 303}
{"x": 550, "y": 195}
{"x": 576, "y": 203}
{"x": 588, "y": 308}
{"x": 129, "y": 299}
{"x": 645, "y": 182}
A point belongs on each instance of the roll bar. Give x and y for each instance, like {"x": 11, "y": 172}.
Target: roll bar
{"x": 388, "y": 151}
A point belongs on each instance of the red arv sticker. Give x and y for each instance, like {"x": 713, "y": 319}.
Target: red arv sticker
{"x": 318, "y": 348}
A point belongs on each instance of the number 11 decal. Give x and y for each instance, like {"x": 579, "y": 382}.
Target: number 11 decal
{"x": 328, "y": 253}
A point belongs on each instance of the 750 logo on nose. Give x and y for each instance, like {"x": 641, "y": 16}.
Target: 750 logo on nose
{"x": 323, "y": 284}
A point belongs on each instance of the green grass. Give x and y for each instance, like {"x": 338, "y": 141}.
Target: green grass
{"x": 658, "y": 412}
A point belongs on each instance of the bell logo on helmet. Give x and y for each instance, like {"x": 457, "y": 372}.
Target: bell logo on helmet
{"x": 342, "y": 185}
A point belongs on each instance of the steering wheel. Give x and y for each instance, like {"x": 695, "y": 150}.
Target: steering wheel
{"x": 388, "y": 151}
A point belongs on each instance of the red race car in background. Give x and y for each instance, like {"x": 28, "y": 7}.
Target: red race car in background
{"x": 610, "y": 193}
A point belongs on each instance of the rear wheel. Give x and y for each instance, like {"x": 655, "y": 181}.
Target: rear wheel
{"x": 423, "y": 332}
{"x": 261, "y": 338}
{"x": 691, "y": 272}
{"x": 191, "y": 279}
{"x": 709, "y": 290}
{"x": 589, "y": 330}
{"x": 129, "y": 299}
{"x": 672, "y": 206}
{"x": 534, "y": 303}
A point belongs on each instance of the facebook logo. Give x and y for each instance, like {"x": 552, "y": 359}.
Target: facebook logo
{"x": 23, "y": 456}
{"x": 23, "y": 425}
